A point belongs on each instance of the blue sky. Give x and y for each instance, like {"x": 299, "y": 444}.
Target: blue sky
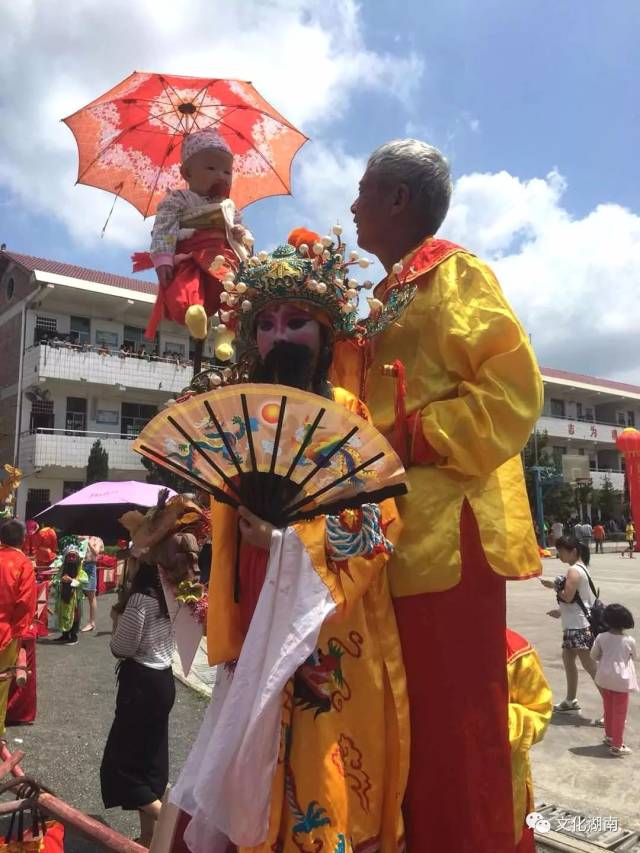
{"x": 535, "y": 104}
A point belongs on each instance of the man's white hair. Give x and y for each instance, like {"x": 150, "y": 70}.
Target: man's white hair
{"x": 424, "y": 170}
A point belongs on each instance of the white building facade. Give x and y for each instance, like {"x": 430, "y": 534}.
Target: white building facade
{"x": 582, "y": 417}
{"x": 74, "y": 381}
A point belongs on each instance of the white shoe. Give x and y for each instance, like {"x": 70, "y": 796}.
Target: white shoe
{"x": 567, "y": 705}
{"x": 620, "y": 751}
{"x": 607, "y": 740}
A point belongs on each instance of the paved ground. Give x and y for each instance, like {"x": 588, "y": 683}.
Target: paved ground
{"x": 76, "y": 688}
{"x": 76, "y": 698}
{"x": 570, "y": 766}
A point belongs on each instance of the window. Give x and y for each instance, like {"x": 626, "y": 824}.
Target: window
{"x": 106, "y": 339}
{"x": 588, "y": 415}
{"x": 631, "y": 419}
{"x": 80, "y": 330}
{"x": 42, "y": 418}
{"x": 135, "y": 416}
{"x": 579, "y": 411}
{"x": 558, "y": 453}
{"x": 76, "y": 420}
{"x": 10, "y": 289}
{"x": 581, "y": 451}
{"x": 46, "y": 328}
{"x": 622, "y": 420}
{"x": 37, "y": 501}
{"x": 71, "y": 486}
{"x": 557, "y": 408}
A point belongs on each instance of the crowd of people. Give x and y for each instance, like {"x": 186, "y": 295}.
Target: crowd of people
{"x": 144, "y": 351}
{"x": 585, "y": 533}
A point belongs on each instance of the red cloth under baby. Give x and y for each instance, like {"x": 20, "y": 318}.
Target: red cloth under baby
{"x": 194, "y": 281}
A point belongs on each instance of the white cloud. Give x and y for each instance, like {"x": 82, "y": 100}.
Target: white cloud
{"x": 572, "y": 281}
{"x": 305, "y": 56}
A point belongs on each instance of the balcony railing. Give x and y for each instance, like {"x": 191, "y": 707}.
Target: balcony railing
{"x": 56, "y": 448}
{"x": 106, "y": 367}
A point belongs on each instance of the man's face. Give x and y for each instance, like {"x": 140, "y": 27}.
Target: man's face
{"x": 288, "y": 323}
{"x": 209, "y": 173}
{"x": 371, "y": 211}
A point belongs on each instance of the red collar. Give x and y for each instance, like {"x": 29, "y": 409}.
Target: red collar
{"x": 429, "y": 254}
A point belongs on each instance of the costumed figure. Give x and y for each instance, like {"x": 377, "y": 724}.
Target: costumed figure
{"x": 530, "y": 709}
{"x": 467, "y": 396}
{"x": 305, "y": 743}
{"x": 197, "y": 237}
{"x": 171, "y": 535}
{"x": 17, "y": 609}
{"x": 68, "y": 584}
{"x": 8, "y": 487}
{"x": 41, "y": 544}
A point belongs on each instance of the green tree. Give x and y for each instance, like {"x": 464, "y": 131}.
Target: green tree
{"x": 560, "y": 502}
{"x": 609, "y": 500}
{"x": 97, "y": 464}
{"x": 160, "y": 476}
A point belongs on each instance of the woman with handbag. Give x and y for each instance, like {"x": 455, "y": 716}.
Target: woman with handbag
{"x": 135, "y": 766}
{"x": 577, "y": 637}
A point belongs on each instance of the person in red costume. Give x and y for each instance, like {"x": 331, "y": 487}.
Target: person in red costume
{"x": 198, "y": 239}
{"x": 467, "y": 396}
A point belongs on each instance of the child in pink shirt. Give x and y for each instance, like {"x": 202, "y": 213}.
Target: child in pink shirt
{"x": 616, "y": 676}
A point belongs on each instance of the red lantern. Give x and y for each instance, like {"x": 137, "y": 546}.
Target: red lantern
{"x": 628, "y": 442}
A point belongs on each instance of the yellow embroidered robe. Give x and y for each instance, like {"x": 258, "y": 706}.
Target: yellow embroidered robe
{"x": 343, "y": 760}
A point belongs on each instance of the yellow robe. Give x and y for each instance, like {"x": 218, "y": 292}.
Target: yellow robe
{"x": 343, "y": 761}
{"x": 472, "y": 375}
{"x": 530, "y": 708}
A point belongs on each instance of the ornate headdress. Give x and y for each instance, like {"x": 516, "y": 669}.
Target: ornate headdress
{"x": 310, "y": 270}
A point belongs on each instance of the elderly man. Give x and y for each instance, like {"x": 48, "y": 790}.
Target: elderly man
{"x": 467, "y": 395}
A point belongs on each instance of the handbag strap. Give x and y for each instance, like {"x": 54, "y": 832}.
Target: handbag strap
{"x": 596, "y": 592}
{"x": 578, "y": 599}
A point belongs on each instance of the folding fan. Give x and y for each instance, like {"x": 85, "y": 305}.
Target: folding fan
{"x": 283, "y": 453}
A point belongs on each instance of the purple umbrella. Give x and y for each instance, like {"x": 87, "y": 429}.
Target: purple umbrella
{"x": 95, "y": 510}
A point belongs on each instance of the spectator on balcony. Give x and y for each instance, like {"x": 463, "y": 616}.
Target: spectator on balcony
{"x": 104, "y": 350}
{"x": 142, "y": 352}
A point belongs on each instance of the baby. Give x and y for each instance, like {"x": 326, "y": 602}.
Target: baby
{"x": 197, "y": 237}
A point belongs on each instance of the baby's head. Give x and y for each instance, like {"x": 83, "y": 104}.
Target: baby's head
{"x": 207, "y": 164}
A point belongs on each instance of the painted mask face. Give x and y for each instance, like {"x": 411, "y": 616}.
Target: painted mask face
{"x": 209, "y": 173}
{"x": 287, "y": 323}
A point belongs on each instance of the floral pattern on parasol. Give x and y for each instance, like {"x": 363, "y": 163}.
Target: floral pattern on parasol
{"x": 129, "y": 139}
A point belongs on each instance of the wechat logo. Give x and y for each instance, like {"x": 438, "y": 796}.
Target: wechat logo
{"x": 538, "y": 822}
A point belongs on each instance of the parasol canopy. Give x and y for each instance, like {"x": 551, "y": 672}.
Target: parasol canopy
{"x": 95, "y": 510}
{"x": 129, "y": 139}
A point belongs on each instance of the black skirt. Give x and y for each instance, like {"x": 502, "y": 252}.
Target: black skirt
{"x": 135, "y": 764}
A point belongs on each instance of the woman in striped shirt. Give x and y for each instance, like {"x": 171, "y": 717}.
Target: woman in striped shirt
{"x": 135, "y": 765}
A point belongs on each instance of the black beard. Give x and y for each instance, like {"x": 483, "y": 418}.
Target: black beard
{"x": 287, "y": 364}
